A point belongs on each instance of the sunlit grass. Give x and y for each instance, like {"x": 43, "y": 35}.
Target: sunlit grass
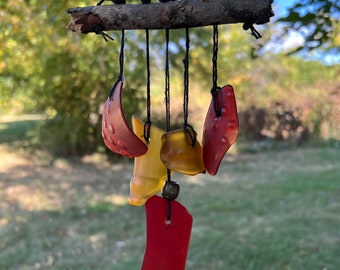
{"x": 270, "y": 210}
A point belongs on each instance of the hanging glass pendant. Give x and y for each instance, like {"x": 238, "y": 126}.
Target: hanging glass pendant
{"x": 167, "y": 241}
{"x": 181, "y": 152}
{"x": 220, "y": 128}
{"x": 149, "y": 173}
{"x": 116, "y": 132}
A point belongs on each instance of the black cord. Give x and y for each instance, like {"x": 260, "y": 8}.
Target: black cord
{"x": 98, "y": 29}
{"x": 188, "y": 128}
{"x": 121, "y": 55}
{"x": 214, "y": 58}
{"x": 215, "y": 88}
{"x": 250, "y": 25}
{"x": 167, "y": 81}
{"x": 192, "y": 134}
{"x": 168, "y": 219}
{"x": 121, "y": 65}
{"x": 167, "y": 107}
{"x": 186, "y": 77}
{"x": 148, "y": 90}
{"x": 148, "y": 95}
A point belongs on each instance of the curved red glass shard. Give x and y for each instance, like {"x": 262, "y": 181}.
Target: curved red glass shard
{"x": 220, "y": 131}
{"x": 116, "y": 132}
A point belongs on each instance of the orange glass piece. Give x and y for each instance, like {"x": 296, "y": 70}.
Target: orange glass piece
{"x": 220, "y": 131}
{"x": 179, "y": 154}
{"x": 116, "y": 132}
{"x": 149, "y": 173}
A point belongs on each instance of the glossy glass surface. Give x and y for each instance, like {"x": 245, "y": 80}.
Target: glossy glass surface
{"x": 116, "y": 132}
{"x": 220, "y": 131}
{"x": 149, "y": 173}
{"x": 180, "y": 155}
{"x": 167, "y": 242}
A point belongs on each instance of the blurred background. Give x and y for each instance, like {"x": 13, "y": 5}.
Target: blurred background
{"x": 63, "y": 195}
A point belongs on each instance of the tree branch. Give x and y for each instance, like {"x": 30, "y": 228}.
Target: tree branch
{"x": 171, "y": 15}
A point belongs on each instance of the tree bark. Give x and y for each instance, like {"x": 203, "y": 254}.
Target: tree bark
{"x": 170, "y": 15}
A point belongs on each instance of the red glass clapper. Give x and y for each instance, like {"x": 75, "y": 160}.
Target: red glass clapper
{"x": 116, "y": 132}
{"x": 166, "y": 244}
{"x": 220, "y": 131}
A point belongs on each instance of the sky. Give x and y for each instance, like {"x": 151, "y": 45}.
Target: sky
{"x": 295, "y": 39}
{"x": 281, "y": 6}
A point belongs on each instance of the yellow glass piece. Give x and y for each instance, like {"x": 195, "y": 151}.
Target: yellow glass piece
{"x": 179, "y": 155}
{"x": 149, "y": 173}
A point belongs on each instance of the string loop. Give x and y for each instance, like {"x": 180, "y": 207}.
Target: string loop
{"x": 99, "y": 30}
{"x": 191, "y": 133}
{"x": 250, "y": 25}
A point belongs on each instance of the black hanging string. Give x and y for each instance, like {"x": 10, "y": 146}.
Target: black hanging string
{"x": 250, "y": 25}
{"x": 167, "y": 81}
{"x": 98, "y": 29}
{"x": 167, "y": 108}
{"x": 148, "y": 91}
{"x": 215, "y": 88}
{"x": 188, "y": 128}
{"x": 214, "y": 58}
{"x": 186, "y": 77}
{"x": 121, "y": 64}
{"x": 148, "y": 96}
{"x": 254, "y": 32}
{"x": 168, "y": 219}
{"x": 121, "y": 56}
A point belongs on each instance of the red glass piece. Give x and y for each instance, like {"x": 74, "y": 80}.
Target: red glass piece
{"x": 116, "y": 132}
{"x": 220, "y": 131}
{"x": 167, "y": 244}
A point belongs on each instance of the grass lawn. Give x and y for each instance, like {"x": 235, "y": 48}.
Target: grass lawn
{"x": 269, "y": 210}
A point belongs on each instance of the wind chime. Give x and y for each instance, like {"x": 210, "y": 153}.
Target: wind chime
{"x": 158, "y": 152}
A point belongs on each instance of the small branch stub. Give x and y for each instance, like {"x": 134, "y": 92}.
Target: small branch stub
{"x": 170, "y": 15}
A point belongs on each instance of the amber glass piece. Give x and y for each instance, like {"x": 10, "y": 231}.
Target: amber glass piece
{"x": 149, "y": 173}
{"x": 220, "y": 130}
{"x": 116, "y": 132}
{"x": 179, "y": 154}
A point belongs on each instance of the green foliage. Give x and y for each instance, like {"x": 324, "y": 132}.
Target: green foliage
{"x": 67, "y": 76}
{"x": 63, "y": 75}
{"x": 311, "y": 98}
{"x": 319, "y": 20}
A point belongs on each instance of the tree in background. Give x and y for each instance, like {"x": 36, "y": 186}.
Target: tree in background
{"x": 67, "y": 76}
{"x": 317, "y": 21}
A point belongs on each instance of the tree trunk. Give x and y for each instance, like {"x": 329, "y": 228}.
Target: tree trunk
{"x": 170, "y": 15}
